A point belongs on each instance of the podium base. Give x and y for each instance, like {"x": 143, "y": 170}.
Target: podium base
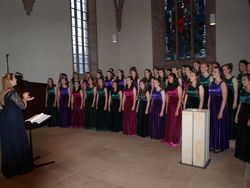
{"x": 206, "y": 165}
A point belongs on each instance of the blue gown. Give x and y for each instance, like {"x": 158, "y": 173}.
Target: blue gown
{"x": 16, "y": 155}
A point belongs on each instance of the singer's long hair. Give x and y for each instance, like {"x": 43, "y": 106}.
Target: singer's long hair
{"x": 6, "y": 86}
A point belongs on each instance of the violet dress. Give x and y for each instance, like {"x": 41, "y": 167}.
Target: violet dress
{"x": 120, "y": 84}
{"x": 157, "y": 123}
{"x": 219, "y": 128}
{"x": 108, "y": 85}
{"x": 173, "y": 123}
{"x": 129, "y": 116}
{"x": 77, "y": 113}
{"x": 64, "y": 111}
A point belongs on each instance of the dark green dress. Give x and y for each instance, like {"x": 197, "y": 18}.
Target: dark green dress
{"x": 90, "y": 113}
{"x": 205, "y": 82}
{"x": 142, "y": 118}
{"x": 115, "y": 115}
{"x": 101, "y": 114}
{"x": 230, "y": 101}
{"x": 239, "y": 78}
{"x": 193, "y": 99}
{"x": 51, "y": 110}
{"x": 242, "y": 149}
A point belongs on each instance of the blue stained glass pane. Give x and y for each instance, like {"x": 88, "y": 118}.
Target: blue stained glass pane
{"x": 184, "y": 28}
{"x": 78, "y": 5}
{"x": 170, "y": 11}
{"x": 81, "y": 68}
{"x": 87, "y": 67}
{"x": 79, "y": 15}
{"x": 79, "y": 23}
{"x": 200, "y": 30}
{"x": 85, "y": 33}
{"x": 86, "y": 59}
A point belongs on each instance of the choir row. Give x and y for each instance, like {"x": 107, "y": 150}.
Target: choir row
{"x": 153, "y": 105}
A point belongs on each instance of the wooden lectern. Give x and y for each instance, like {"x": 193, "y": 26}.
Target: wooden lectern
{"x": 195, "y": 137}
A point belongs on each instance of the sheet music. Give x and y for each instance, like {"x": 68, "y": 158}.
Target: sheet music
{"x": 39, "y": 118}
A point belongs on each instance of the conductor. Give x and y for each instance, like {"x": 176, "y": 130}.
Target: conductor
{"x": 16, "y": 155}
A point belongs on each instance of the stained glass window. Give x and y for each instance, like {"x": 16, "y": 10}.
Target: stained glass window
{"x": 79, "y": 25}
{"x": 170, "y": 11}
{"x": 185, "y": 29}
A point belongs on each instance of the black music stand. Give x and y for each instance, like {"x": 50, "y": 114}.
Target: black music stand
{"x": 31, "y": 126}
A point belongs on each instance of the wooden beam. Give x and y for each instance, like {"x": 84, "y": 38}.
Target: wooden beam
{"x": 118, "y": 12}
{"x": 28, "y": 5}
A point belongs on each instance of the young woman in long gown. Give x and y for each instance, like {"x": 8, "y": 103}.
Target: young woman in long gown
{"x": 242, "y": 118}
{"x": 195, "y": 93}
{"x": 15, "y": 149}
{"x": 135, "y": 77}
{"x": 102, "y": 106}
{"x": 175, "y": 70}
{"x": 120, "y": 79}
{"x": 51, "y": 103}
{"x": 89, "y": 105}
{"x": 115, "y": 107}
{"x": 77, "y": 106}
{"x": 205, "y": 80}
{"x": 108, "y": 80}
{"x": 217, "y": 103}
{"x": 157, "y": 111}
{"x": 149, "y": 79}
{"x": 143, "y": 109}
{"x": 243, "y": 70}
{"x": 128, "y": 106}
{"x": 174, "y": 111}
{"x": 64, "y": 98}
{"x": 232, "y": 97}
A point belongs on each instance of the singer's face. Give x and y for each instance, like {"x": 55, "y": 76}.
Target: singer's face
{"x": 13, "y": 81}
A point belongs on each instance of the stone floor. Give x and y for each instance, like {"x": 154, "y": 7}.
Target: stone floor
{"x": 90, "y": 159}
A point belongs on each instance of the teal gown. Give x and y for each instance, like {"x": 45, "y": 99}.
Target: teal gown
{"x": 242, "y": 147}
{"x": 230, "y": 101}
{"x": 205, "y": 82}
{"x": 89, "y": 111}
{"x": 193, "y": 99}
{"x": 51, "y": 110}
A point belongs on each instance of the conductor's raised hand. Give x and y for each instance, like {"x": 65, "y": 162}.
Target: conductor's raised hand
{"x": 27, "y": 97}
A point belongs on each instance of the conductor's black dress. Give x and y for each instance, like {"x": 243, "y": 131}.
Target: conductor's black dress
{"x": 16, "y": 155}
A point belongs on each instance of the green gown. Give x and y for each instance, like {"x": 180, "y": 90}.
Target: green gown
{"x": 193, "y": 99}
{"x": 51, "y": 110}
{"x": 242, "y": 147}
{"x": 115, "y": 115}
{"x": 142, "y": 118}
{"x": 89, "y": 112}
{"x": 205, "y": 82}
{"x": 230, "y": 101}
{"x": 101, "y": 114}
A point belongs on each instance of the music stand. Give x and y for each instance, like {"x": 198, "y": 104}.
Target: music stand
{"x": 31, "y": 126}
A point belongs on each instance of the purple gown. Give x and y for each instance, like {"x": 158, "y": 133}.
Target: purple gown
{"x": 77, "y": 113}
{"x": 108, "y": 85}
{"x": 219, "y": 128}
{"x": 157, "y": 123}
{"x": 64, "y": 111}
